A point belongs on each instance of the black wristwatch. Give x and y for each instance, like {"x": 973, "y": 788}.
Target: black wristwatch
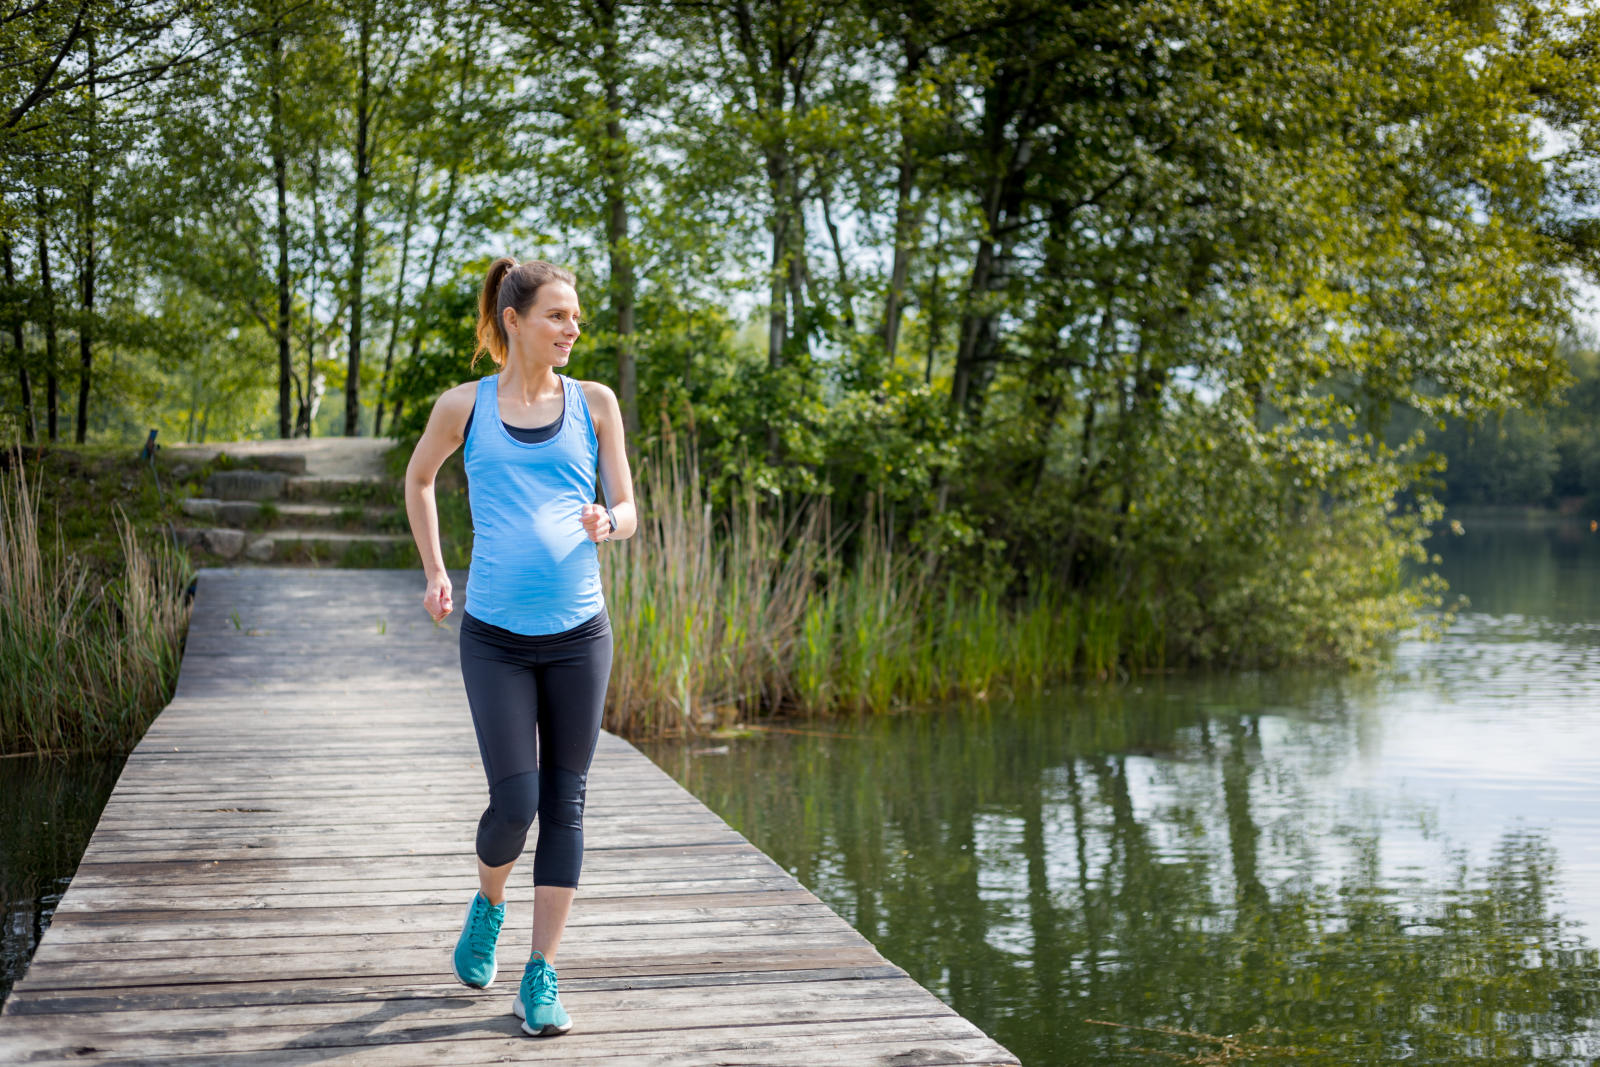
{"x": 611, "y": 517}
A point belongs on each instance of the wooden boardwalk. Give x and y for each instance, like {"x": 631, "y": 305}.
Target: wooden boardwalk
{"x": 281, "y": 872}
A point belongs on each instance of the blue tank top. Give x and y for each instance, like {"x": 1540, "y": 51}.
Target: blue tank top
{"x": 534, "y": 570}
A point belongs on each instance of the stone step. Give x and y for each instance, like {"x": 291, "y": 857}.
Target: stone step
{"x": 345, "y": 489}
{"x": 286, "y": 462}
{"x": 311, "y": 546}
{"x": 275, "y": 485}
{"x": 274, "y": 514}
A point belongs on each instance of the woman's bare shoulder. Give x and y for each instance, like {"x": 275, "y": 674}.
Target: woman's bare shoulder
{"x": 456, "y": 394}
{"x": 598, "y": 393}
{"x": 454, "y": 405}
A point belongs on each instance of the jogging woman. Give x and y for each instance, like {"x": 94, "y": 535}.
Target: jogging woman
{"x": 535, "y": 638}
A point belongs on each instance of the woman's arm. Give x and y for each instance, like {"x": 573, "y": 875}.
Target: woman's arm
{"x": 616, "y": 479}
{"x": 442, "y": 437}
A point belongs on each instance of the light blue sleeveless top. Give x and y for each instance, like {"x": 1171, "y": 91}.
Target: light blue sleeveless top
{"x": 534, "y": 570}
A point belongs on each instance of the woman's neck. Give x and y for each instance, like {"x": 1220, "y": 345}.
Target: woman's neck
{"x": 525, "y": 381}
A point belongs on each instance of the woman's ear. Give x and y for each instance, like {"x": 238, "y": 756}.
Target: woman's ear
{"x": 508, "y": 318}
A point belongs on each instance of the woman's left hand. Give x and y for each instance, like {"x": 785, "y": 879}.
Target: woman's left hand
{"x": 595, "y": 522}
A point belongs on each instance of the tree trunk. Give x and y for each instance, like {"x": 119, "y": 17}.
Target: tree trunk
{"x": 399, "y": 296}
{"x": 358, "y": 248}
{"x": 847, "y": 289}
{"x": 30, "y": 426}
{"x": 52, "y": 387}
{"x": 306, "y": 418}
{"x": 86, "y": 327}
{"x": 280, "y": 180}
{"x": 1009, "y": 153}
{"x": 778, "y": 44}
{"x": 974, "y": 323}
{"x": 614, "y": 172}
{"x": 469, "y": 43}
{"x": 799, "y": 325}
{"x": 778, "y": 282}
{"x": 433, "y": 267}
{"x": 907, "y": 216}
{"x": 935, "y": 301}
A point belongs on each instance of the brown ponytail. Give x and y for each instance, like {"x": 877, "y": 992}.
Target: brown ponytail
{"x": 510, "y": 284}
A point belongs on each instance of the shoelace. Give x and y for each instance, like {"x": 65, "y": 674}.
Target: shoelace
{"x": 539, "y": 983}
{"x": 485, "y": 929}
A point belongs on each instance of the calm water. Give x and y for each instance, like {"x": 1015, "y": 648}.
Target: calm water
{"x": 1400, "y": 867}
{"x": 48, "y": 810}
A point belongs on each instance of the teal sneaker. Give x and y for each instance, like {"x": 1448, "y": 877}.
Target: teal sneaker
{"x": 473, "y": 960}
{"x": 538, "y": 1004}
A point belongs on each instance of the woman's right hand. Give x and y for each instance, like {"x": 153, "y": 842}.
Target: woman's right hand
{"x": 436, "y": 601}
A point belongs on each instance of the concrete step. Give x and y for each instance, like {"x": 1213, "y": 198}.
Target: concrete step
{"x": 322, "y": 455}
{"x": 335, "y": 547}
{"x": 275, "y": 485}
{"x": 276, "y": 514}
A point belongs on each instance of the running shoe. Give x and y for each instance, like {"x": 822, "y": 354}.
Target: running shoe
{"x": 538, "y": 1004}
{"x": 473, "y": 960}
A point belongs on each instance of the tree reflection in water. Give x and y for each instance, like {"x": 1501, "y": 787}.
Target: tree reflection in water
{"x": 1169, "y": 878}
{"x": 48, "y": 810}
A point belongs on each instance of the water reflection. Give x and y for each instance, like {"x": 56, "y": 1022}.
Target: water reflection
{"x": 48, "y": 810}
{"x": 1268, "y": 869}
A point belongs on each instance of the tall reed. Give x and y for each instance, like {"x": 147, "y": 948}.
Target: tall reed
{"x": 87, "y": 660}
{"x": 728, "y": 616}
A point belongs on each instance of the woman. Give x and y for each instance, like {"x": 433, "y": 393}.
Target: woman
{"x": 535, "y": 638}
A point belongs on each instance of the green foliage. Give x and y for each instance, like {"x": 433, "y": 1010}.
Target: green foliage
{"x": 1540, "y": 458}
{"x": 446, "y": 325}
{"x": 1109, "y": 303}
{"x": 760, "y": 614}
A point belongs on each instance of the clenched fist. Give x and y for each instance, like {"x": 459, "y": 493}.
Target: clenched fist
{"x": 436, "y": 601}
{"x": 596, "y": 523}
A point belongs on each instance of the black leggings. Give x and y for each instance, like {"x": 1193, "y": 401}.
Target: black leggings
{"x": 536, "y": 706}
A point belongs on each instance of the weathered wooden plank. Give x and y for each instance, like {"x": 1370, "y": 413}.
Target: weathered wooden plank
{"x": 786, "y": 919}
{"x": 186, "y": 941}
{"x": 228, "y": 812}
{"x": 600, "y": 1007}
{"x": 322, "y": 895}
{"x": 280, "y": 873}
{"x": 417, "y": 854}
{"x": 644, "y": 863}
{"x": 333, "y": 990}
{"x": 926, "y": 1042}
{"x": 578, "y": 956}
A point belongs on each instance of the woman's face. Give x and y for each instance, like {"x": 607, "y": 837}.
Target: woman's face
{"x": 547, "y": 332}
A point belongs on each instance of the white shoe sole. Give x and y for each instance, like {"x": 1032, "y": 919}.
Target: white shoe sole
{"x": 548, "y": 1030}
{"x": 494, "y": 965}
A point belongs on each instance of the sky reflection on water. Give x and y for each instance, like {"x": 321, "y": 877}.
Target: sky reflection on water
{"x": 1400, "y": 866}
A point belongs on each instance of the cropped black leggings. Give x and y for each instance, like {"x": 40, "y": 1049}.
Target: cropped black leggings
{"x": 536, "y": 706}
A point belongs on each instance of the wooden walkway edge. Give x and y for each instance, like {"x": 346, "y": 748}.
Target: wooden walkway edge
{"x": 280, "y": 874}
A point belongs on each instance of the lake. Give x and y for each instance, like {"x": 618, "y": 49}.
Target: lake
{"x": 1287, "y": 868}
{"x": 1292, "y": 868}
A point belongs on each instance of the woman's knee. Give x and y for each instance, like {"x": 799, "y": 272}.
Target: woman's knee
{"x": 514, "y": 800}
{"x": 561, "y": 798}
{"x": 503, "y": 829}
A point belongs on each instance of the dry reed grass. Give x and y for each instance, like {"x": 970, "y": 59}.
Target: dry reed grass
{"x": 87, "y": 661}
